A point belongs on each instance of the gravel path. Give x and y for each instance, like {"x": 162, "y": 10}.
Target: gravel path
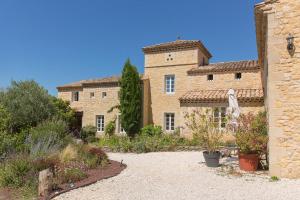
{"x": 181, "y": 175}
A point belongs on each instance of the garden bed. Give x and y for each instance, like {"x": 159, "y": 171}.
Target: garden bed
{"x": 112, "y": 169}
{"x": 163, "y": 149}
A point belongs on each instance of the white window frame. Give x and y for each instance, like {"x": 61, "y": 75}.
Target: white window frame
{"x": 120, "y": 128}
{"x": 74, "y": 96}
{"x": 219, "y": 118}
{"x": 168, "y": 121}
{"x": 100, "y": 123}
{"x": 169, "y": 84}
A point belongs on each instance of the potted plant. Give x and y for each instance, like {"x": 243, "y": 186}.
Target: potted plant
{"x": 251, "y": 139}
{"x": 204, "y": 128}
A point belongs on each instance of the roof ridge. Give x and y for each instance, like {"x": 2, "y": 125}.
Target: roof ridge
{"x": 230, "y": 62}
{"x": 170, "y": 42}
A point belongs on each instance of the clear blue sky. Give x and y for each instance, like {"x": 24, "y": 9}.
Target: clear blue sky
{"x": 60, "y": 41}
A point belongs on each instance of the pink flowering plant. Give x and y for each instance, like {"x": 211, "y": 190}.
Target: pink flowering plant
{"x": 251, "y": 134}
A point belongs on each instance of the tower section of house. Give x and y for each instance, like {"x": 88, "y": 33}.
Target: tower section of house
{"x": 166, "y": 68}
{"x": 277, "y": 25}
{"x": 181, "y": 79}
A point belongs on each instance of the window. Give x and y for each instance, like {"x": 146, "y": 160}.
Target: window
{"x": 170, "y": 84}
{"x": 92, "y": 95}
{"x": 210, "y": 77}
{"x": 104, "y": 94}
{"x": 75, "y": 96}
{"x": 120, "y": 128}
{"x": 169, "y": 121}
{"x": 100, "y": 123}
{"x": 238, "y": 76}
{"x": 219, "y": 115}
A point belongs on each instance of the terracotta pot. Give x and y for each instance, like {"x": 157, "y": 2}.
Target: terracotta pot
{"x": 248, "y": 162}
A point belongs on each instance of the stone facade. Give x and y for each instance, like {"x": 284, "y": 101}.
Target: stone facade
{"x": 157, "y": 67}
{"x": 181, "y": 59}
{"x": 275, "y": 20}
{"x": 93, "y": 106}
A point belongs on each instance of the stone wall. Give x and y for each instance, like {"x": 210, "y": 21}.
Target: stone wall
{"x": 93, "y": 106}
{"x": 226, "y": 81}
{"x": 157, "y": 67}
{"x": 275, "y": 20}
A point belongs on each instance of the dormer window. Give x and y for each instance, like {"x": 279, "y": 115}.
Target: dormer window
{"x": 238, "y": 76}
{"x": 210, "y": 77}
{"x": 75, "y": 96}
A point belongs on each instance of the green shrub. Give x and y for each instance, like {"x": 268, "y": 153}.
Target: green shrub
{"x": 274, "y": 179}
{"x": 48, "y": 137}
{"x": 46, "y": 162}
{"x": 5, "y": 118}
{"x": 7, "y": 144}
{"x": 71, "y": 175}
{"x": 116, "y": 143}
{"x": 12, "y": 143}
{"x": 151, "y": 130}
{"x": 88, "y": 133}
{"x": 16, "y": 172}
{"x": 63, "y": 111}
{"x": 92, "y": 156}
{"x": 143, "y": 143}
{"x": 110, "y": 128}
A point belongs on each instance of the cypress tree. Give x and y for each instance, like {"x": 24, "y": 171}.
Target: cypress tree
{"x": 130, "y": 99}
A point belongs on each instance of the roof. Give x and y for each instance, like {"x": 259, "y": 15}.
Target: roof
{"x": 100, "y": 81}
{"x": 177, "y": 45}
{"x": 235, "y": 66}
{"x": 213, "y": 96}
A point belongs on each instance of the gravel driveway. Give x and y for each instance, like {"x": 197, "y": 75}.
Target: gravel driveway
{"x": 181, "y": 175}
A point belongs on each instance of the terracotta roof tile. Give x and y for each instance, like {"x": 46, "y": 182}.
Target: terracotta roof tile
{"x": 247, "y": 65}
{"x": 177, "y": 45}
{"x": 205, "y": 96}
{"x": 106, "y": 80}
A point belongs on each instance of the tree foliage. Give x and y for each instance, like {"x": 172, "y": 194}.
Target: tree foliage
{"x": 63, "y": 111}
{"x": 130, "y": 99}
{"x": 25, "y": 104}
{"x": 28, "y": 104}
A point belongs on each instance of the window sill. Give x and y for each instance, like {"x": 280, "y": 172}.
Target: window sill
{"x": 170, "y": 94}
{"x": 169, "y": 131}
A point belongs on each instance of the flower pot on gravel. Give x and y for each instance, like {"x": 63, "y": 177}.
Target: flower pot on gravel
{"x": 212, "y": 159}
{"x": 248, "y": 162}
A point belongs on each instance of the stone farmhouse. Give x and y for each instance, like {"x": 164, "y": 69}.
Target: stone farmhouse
{"x": 179, "y": 77}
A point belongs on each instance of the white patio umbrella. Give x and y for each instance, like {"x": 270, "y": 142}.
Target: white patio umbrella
{"x": 233, "y": 109}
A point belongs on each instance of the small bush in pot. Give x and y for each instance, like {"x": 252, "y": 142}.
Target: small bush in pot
{"x": 251, "y": 139}
{"x": 202, "y": 124}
